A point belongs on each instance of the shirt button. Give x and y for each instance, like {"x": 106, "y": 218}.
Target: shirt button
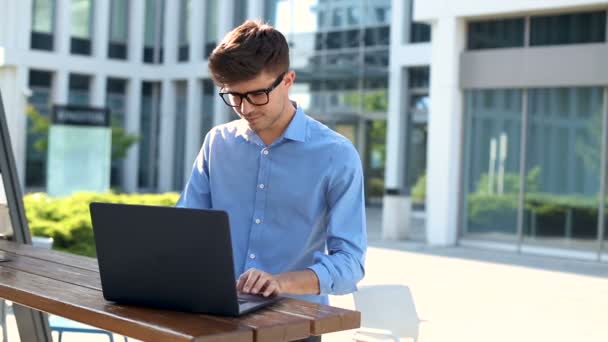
{"x": 265, "y": 151}
{"x": 252, "y": 256}
{"x": 258, "y": 221}
{"x": 261, "y": 186}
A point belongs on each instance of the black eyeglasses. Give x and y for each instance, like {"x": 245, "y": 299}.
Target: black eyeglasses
{"x": 258, "y": 97}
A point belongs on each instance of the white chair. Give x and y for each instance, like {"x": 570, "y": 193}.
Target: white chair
{"x": 387, "y": 314}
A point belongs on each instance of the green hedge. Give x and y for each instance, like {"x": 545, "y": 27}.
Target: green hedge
{"x": 499, "y": 213}
{"x": 67, "y": 219}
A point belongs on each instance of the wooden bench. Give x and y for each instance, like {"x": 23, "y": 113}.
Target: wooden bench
{"x": 69, "y": 286}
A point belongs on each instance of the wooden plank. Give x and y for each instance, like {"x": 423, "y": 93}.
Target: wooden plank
{"x": 59, "y": 272}
{"x": 270, "y": 325}
{"x": 50, "y": 255}
{"x": 323, "y": 318}
{"x": 88, "y": 306}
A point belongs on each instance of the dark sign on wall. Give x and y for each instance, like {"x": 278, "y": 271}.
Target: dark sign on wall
{"x": 81, "y": 116}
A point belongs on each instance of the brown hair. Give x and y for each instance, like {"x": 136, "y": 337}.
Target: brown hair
{"x": 246, "y": 51}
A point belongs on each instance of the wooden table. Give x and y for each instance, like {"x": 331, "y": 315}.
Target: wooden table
{"x": 69, "y": 286}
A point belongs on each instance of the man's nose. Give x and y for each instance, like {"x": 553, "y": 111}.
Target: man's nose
{"x": 245, "y": 107}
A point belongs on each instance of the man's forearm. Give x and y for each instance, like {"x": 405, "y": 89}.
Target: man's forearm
{"x": 299, "y": 282}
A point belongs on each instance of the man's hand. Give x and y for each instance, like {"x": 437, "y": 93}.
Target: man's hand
{"x": 257, "y": 282}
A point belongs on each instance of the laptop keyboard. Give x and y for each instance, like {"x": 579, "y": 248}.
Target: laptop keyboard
{"x": 247, "y": 298}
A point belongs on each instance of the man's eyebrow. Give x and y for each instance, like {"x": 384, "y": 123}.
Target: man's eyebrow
{"x": 245, "y": 92}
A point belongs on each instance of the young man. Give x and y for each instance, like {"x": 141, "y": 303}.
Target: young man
{"x": 293, "y": 188}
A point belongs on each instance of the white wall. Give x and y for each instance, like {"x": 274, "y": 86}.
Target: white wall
{"x": 396, "y": 209}
{"x": 428, "y": 10}
{"x": 14, "y": 91}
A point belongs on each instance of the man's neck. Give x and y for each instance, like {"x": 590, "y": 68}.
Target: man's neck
{"x": 268, "y": 137}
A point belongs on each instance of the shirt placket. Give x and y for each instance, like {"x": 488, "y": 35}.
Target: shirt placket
{"x": 259, "y": 209}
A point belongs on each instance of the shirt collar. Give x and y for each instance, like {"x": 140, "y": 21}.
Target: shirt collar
{"x": 296, "y": 130}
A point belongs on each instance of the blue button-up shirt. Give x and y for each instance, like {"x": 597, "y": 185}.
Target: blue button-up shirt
{"x": 297, "y": 203}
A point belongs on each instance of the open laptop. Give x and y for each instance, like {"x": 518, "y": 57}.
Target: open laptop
{"x": 167, "y": 257}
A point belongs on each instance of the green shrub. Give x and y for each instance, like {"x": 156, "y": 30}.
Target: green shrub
{"x": 419, "y": 190}
{"x": 67, "y": 219}
{"x": 547, "y": 212}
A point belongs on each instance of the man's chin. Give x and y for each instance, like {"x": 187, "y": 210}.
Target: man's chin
{"x": 253, "y": 126}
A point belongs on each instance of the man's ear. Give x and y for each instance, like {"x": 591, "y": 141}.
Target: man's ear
{"x": 290, "y": 78}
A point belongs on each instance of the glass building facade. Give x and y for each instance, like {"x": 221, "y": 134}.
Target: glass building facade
{"x": 534, "y": 157}
{"x": 340, "y": 52}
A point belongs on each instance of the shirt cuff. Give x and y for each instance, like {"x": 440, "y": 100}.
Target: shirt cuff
{"x": 325, "y": 280}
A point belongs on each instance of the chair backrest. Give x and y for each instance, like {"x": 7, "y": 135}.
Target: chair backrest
{"x": 389, "y": 307}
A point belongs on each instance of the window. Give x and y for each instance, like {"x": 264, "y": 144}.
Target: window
{"x": 116, "y": 101}
{"x": 79, "y": 93}
{"x": 149, "y": 135}
{"x": 377, "y": 36}
{"x": 418, "y": 77}
{"x": 336, "y": 20}
{"x": 153, "y": 31}
{"x": 40, "y": 102}
{"x": 420, "y": 33}
{"x": 179, "y": 146}
{"x": 240, "y": 12}
{"x": 81, "y": 27}
{"x": 43, "y": 19}
{"x": 208, "y": 107}
{"x": 184, "y": 30}
{"x": 119, "y": 29}
{"x": 577, "y": 28}
{"x": 494, "y": 34}
{"x": 417, "y": 128}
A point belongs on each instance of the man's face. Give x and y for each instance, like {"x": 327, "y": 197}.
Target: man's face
{"x": 266, "y": 86}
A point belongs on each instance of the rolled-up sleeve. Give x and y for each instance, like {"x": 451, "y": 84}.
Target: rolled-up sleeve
{"x": 197, "y": 193}
{"x": 343, "y": 266}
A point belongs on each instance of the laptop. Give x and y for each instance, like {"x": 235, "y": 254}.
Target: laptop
{"x": 170, "y": 258}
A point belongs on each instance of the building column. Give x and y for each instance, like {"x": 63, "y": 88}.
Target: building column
{"x": 136, "y": 33}
{"x": 444, "y": 140}
{"x": 15, "y": 37}
{"x": 24, "y": 24}
{"x": 396, "y": 211}
{"x": 397, "y": 202}
{"x": 170, "y": 38}
{"x": 225, "y": 24}
{"x": 197, "y": 30}
{"x": 255, "y": 9}
{"x": 193, "y": 124}
{"x": 225, "y": 21}
{"x": 62, "y": 27}
{"x": 167, "y": 136}
{"x": 132, "y": 126}
{"x": 13, "y": 84}
{"x": 60, "y": 87}
{"x": 101, "y": 22}
{"x": 98, "y": 90}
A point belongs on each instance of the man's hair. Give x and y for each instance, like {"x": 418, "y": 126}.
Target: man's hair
{"x": 248, "y": 50}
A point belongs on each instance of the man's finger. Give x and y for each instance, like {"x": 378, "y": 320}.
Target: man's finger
{"x": 270, "y": 289}
{"x": 242, "y": 279}
{"x": 262, "y": 282}
{"x": 251, "y": 280}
